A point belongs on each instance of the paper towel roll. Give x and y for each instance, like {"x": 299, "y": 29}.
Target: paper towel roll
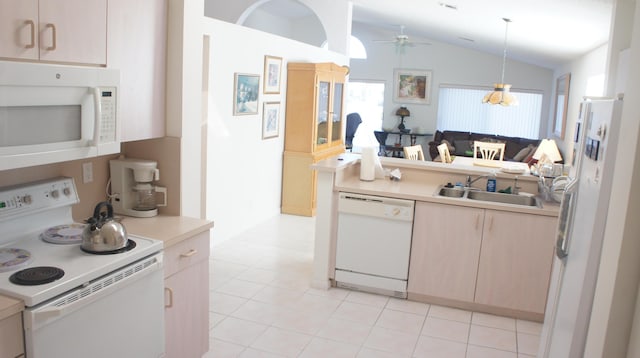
{"x": 368, "y": 164}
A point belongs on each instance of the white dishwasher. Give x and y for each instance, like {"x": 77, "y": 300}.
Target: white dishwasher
{"x": 374, "y": 243}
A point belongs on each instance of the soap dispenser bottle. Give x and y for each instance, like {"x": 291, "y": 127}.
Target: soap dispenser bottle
{"x": 491, "y": 182}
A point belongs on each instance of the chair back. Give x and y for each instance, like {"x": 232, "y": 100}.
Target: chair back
{"x": 353, "y": 121}
{"x": 381, "y": 137}
{"x": 488, "y": 150}
{"x": 413, "y": 152}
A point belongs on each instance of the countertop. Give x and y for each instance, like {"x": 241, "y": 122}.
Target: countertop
{"x": 9, "y": 307}
{"x": 169, "y": 229}
{"x": 423, "y": 179}
{"x": 424, "y": 191}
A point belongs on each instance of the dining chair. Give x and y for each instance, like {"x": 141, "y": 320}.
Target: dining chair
{"x": 488, "y": 150}
{"x": 413, "y": 152}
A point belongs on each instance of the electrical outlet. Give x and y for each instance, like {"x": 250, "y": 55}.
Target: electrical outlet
{"x": 87, "y": 172}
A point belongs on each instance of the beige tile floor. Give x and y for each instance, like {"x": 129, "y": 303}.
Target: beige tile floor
{"x": 261, "y": 305}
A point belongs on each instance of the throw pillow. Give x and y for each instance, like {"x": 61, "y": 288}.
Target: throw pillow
{"x": 462, "y": 146}
{"x": 529, "y": 159}
{"x": 522, "y": 154}
{"x": 451, "y": 148}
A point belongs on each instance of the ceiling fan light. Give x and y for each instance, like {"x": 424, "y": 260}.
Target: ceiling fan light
{"x": 501, "y": 95}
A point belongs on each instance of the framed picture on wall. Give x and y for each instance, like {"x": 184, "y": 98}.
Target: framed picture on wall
{"x": 245, "y": 94}
{"x": 270, "y": 120}
{"x": 272, "y": 69}
{"x": 412, "y": 86}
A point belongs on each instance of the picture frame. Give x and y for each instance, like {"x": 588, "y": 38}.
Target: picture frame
{"x": 246, "y": 93}
{"x": 561, "y": 105}
{"x": 412, "y": 86}
{"x": 270, "y": 120}
{"x": 272, "y": 72}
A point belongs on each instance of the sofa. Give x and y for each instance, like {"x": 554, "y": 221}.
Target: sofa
{"x": 461, "y": 143}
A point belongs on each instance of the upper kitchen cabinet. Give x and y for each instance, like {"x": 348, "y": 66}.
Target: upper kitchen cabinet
{"x": 313, "y": 130}
{"x": 137, "y": 41}
{"x": 61, "y": 31}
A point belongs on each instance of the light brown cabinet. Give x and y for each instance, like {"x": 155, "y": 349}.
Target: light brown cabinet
{"x": 313, "y": 130}
{"x": 491, "y": 258}
{"x": 515, "y": 261}
{"x": 137, "y": 43}
{"x": 11, "y": 333}
{"x": 61, "y": 31}
{"x": 187, "y": 297}
{"x": 445, "y": 251}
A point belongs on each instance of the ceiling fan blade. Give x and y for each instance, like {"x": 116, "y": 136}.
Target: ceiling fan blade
{"x": 385, "y": 41}
{"x": 421, "y": 43}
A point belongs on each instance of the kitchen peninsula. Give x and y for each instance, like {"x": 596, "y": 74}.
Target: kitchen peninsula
{"x": 481, "y": 255}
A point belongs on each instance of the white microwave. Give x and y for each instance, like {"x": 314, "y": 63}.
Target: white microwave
{"x": 52, "y": 113}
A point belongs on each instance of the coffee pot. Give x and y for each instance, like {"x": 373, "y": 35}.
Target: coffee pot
{"x": 145, "y": 196}
{"x": 132, "y": 190}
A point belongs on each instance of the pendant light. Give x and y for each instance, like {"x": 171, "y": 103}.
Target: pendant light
{"x": 501, "y": 94}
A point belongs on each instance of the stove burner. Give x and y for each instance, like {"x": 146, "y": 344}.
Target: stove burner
{"x": 36, "y": 275}
{"x": 130, "y": 246}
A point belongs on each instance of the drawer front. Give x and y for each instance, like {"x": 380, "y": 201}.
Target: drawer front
{"x": 186, "y": 253}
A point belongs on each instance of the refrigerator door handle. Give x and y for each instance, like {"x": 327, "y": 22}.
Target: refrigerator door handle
{"x": 565, "y": 220}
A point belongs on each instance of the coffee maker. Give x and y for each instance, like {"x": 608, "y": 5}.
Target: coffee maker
{"x": 132, "y": 191}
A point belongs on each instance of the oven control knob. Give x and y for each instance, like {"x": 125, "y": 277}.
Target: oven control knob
{"x": 66, "y": 191}
{"x": 27, "y": 199}
{"x": 55, "y": 194}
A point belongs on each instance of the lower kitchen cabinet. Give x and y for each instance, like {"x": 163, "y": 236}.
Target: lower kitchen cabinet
{"x": 481, "y": 258}
{"x": 11, "y": 333}
{"x": 515, "y": 261}
{"x": 445, "y": 251}
{"x": 187, "y": 297}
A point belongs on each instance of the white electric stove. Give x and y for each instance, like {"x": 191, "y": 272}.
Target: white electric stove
{"x": 120, "y": 294}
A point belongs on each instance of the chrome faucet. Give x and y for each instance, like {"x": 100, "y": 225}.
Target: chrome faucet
{"x": 516, "y": 188}
{"x": 469, "y": 181}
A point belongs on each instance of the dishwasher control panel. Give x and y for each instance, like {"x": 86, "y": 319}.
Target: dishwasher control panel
{"x": 376, "y": 206}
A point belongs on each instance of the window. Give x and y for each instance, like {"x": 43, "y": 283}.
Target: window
{"x": 367, "y": 99}
{"x": 461, "y": 109}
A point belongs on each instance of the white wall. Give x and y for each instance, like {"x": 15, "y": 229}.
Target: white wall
{"x": 450, "y": 65}
{"x": 592, "y": 64}
{"x": 335, "y": 17}
{"x": 307, "y": 29}
{"x": 244, "y": 171}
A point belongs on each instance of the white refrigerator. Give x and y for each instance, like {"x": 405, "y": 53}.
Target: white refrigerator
{"x": 582, "y": 221}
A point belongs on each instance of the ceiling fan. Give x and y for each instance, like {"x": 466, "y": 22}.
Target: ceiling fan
{"x": 401, "y": 40}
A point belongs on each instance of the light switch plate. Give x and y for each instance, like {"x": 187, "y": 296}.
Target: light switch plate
{"x": 87, "y": 172}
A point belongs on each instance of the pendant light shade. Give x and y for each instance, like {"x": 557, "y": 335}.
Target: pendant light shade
{"x": 501, "y": 94}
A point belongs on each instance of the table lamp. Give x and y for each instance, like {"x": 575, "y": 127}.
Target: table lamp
{"x": 402, "y": 112}
{"x": 547, "y": 152}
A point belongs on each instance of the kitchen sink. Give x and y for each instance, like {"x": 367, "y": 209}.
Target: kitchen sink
{"x": 487, "y": 196}
{"x": 451, "y": 192}
{"x": 502, "y": 198}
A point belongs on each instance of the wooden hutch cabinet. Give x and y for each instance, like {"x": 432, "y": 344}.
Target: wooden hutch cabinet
{"x": 313, "y": 130}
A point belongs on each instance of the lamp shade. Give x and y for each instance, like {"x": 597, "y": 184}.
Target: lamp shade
{"x": 547, "y": 151}
{"x": 501, "y": 95}
{"x": 403, "y": 112}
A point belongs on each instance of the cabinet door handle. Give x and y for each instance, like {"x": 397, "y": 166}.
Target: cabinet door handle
{"x": 490, "y": 222}
{"x": 170, "y": 291}
{"x": 190, "y": 253}
{"x": 32, "y": 25}
{"x": 53, "y": 37}
{"x": 477, "y": 221}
